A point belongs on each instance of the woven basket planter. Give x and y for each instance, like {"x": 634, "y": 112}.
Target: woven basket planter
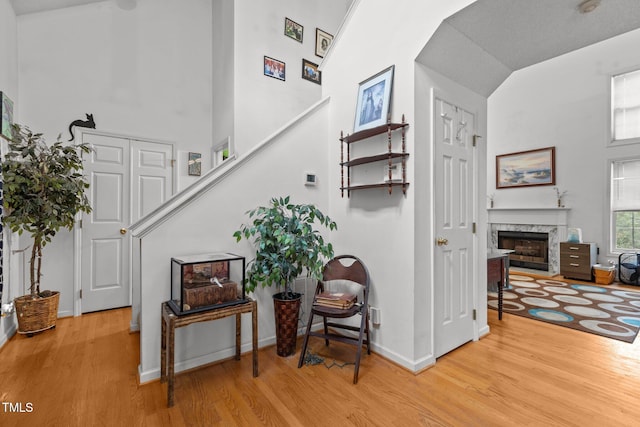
{"x": 286, "y": 312}
{"x": 36, "y": 315}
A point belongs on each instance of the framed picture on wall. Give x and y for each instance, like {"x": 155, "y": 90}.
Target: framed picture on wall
{"x": 526, "y": 168}
{"x": 310, "y": 72}
{"x": 293, "y": 29}
{"x": 373, "y": 107}
{"x": 274, "y": 68}
{"x": 195, "y": 164}
{"x": 6, "y": 115}
{"x": 323, "y": 41}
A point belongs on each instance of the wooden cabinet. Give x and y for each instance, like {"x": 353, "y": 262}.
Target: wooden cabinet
{"x": 577, "y": 259}
{"x": 396, "y": 173}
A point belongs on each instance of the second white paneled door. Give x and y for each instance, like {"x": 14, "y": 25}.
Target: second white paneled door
{"x": 454, "y": 196}
{"x": 128, "y": 179}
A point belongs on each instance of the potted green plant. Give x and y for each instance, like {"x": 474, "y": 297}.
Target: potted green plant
{"x": 44, "y": 189}
{"x": 287, "y": 245}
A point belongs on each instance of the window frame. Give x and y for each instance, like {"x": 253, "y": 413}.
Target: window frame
{"x": 612, "y": 140}
{"x": 613, "y": 249}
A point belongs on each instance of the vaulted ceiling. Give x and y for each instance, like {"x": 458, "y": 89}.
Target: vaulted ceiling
{"x": 482, "y": 44}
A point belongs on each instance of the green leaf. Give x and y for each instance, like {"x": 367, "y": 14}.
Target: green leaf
{"x": 44, "y": 189}
{"x": 286, "y": 243}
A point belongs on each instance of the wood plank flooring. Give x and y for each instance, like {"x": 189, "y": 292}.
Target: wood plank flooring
{"x": 524, "y": 373}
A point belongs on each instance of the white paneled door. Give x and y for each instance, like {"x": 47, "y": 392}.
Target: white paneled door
{"x": 128, "y": 179}
{"x": 453, "y": 253}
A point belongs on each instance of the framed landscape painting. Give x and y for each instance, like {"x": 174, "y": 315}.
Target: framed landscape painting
{"x": 526, "y": 168}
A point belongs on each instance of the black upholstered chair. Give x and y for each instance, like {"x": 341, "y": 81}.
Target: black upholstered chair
{"x": 346, "y": 271}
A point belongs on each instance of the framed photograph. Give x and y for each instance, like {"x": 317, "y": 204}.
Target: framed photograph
{"x": 293, "y": 29}
{"x": 6, "y": 116}
{"x": 323, "y": 41}
{"x": 195, "y": 164}
{"x": 274, "y": 68}
{"x": 526, "y": 168}
{"x": 373, "y": 107}
{"x": 310, "y": 72}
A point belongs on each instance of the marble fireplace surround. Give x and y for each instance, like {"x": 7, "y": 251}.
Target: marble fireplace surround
{"x": 539, "y": 220}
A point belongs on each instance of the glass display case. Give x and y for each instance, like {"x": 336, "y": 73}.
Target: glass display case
{"x": 206, "y": 281}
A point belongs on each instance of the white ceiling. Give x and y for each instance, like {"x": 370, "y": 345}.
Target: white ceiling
{"x": 482, "y": 44}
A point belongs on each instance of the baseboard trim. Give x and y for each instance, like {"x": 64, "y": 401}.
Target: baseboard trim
{"x": 9, "y": 333}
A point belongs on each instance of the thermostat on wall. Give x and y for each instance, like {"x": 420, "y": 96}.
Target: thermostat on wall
{"x": 310, "y": 178}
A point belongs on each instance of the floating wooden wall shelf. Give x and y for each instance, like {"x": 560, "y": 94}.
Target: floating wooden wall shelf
{"x": 390, "y": 156}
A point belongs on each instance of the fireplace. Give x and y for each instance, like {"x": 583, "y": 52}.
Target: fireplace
{"x": 530, "y": 249}
{"x": 552, "y": 221}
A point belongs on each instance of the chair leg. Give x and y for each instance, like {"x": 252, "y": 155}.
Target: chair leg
{"x": 367, "y": 331}
{"x": 359, "y": 350}
{"x": 326, "y": 331}
{"x": 305, "y": 342}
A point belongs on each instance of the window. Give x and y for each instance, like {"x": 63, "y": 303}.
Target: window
{"x": 222, "y": 152}
{"x": 625, "y": 204}
{"x": 625, "y": 114}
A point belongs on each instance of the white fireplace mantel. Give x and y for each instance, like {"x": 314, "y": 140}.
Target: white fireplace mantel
{"x": 537, "y": 216}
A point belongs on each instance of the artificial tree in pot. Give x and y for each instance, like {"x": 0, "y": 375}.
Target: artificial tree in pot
{"x": 287, "y": 245}
{"x": 44, "y": 189}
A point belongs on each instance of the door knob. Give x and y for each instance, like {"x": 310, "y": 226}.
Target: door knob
{"x": 441, "y": 241}
{"x": 123, "y": 231}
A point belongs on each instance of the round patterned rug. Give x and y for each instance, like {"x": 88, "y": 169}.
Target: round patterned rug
{"x": 610, "y": 312}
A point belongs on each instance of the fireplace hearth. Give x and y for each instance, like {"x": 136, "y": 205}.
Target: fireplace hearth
{"x": 530, "y": 249}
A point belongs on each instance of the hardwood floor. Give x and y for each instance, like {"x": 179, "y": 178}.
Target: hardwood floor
{"x": 525, "y": 372}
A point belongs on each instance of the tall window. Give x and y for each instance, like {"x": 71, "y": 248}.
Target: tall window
{"x": 626, "y": 106}
{"x": 625, "y": 204}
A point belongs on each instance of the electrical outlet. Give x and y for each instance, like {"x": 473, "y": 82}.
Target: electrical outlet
{"x": 374, "y": 312}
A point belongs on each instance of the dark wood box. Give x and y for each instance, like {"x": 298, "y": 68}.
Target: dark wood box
{"x": 196, "y": 296}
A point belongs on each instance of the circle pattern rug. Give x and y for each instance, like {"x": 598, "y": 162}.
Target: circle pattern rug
{"x": 610, "y": 312}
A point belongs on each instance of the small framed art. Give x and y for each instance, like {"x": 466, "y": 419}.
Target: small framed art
{"x": 195, "y": 164}
{"x": 274, "y": 68}
{"x": 373, "y": 107}
{"x": 526, "y": 168}
{"x": 293, "y": 29}
{"x": 323, "y": 41}
{"x": 310, "y": 72}
{"x": 6, "y": 116}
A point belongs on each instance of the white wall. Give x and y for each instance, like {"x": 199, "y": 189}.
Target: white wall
{"x": 564, "y": 102}
{"x": 223, "y": 71}
{"x": 144, "y": 72}
{"x": 207, "y": 225}
{"x": 156, "y": 72}
{"x": 8, "y": 85}
{"x": 378, "y": 227}
{"x": 263, "y": 104}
